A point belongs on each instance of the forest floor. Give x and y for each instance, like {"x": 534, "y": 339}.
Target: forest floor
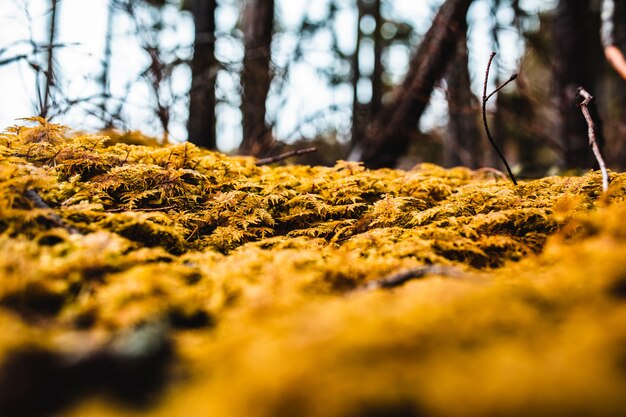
{"x": 172, "y": 281}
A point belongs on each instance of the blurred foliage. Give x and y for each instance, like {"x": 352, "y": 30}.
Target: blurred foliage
{"x": 201, "y": 284}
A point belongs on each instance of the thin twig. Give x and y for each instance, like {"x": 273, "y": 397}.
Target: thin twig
{"x": 147, "y": 209}
{"x": 399, "y": 278}
{"x": 12, "y": 59}
{"x": 497, "y": 90}
{"x": 193, "y": 233}
{"x": 485, "y": 99}
{"x": 277, "y": 158}
{"x": 38, "y": 202}
{"x": 591, "y": 132}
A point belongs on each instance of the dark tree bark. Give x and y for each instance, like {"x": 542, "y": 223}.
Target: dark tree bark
{"x": 358, "y": 115}
{"x": 462, "y": 146}
{"x": 387, "y": 138}
{"x": 258, "y": 25}
{"x": 377, "y": 75}
{"x": 576, "y": 40}
{"x": 361, "y": 112}
{"x": 44, "y": 106}
{"x": 204, "y": 68}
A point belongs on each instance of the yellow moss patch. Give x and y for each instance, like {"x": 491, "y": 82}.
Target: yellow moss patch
{"x": 246, "y": 290}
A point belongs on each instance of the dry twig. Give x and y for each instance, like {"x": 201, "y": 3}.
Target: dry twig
{"x": 485, "y": 99}
{"x": 145, "y": 209}
{"x": 277, "y": 158}
{"x": 591, "y": 132}
{"x": 399, "y": 278}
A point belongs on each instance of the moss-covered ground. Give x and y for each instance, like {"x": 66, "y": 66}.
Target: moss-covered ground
{"x": 171, "y": 281}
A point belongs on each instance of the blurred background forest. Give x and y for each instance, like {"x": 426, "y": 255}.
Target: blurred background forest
{"x": 386, "y": 82}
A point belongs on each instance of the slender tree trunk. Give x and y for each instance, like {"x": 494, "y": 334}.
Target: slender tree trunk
{"x": 44, "y": 110}
{"x": 361, "y": 112}
{"x": 388, "y": 136}
{"x": 574, "y": 67}
{"x": 462, "y": 145}
{"x": 204, "y": 68}
{"x": 357, "y": 108}
{"x": 377, "y": 75}
{"x": 258, "y": 26}
{"x": 106, "y": 67}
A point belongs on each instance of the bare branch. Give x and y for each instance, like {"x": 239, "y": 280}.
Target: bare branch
{"x": 277, "y": 158}
{"x": 591, "y": 132}
{"x": 485, "y": 99}
{"x": 497, "y": 90}
{"x": 12, "y": 59}
{"x": 147, "y": 209}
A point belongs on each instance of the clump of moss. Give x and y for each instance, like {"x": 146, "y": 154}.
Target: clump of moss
{"x": 261, "y": 279}
{"x": 219, "y": 203}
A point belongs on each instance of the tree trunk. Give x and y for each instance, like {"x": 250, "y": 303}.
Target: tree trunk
{"x": 575, "y": 40}
{"x": 258, "y": 24}
{"x": 44, "y": 106}
{"x": 105, "y": 77}
{"x": 204, "y": 68}
{"x": 388, "y": 136}
{"x": 462, "y": 145}
{"x": 358, "y": 115}
{"x": 361, "y": 112}
{"x": 377, "y": 75}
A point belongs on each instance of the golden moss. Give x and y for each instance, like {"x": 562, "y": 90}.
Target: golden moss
{"x": 259, "y": 277}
